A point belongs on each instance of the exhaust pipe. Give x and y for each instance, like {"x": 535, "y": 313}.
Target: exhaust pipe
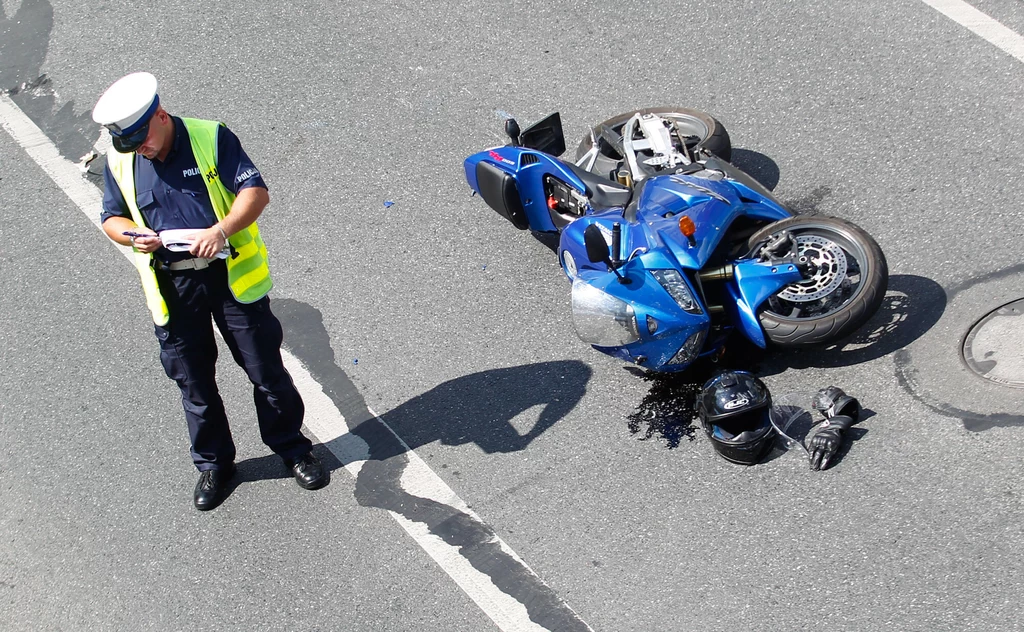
{"x": 723, "y": 273}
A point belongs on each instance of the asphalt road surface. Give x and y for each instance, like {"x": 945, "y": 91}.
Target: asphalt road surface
{"x": 490, "y": 471}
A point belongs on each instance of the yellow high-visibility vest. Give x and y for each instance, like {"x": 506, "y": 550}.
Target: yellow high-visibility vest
{"x": 248, "y": 272}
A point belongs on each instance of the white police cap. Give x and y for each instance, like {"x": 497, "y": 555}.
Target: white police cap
{"x": 126, "y": 107}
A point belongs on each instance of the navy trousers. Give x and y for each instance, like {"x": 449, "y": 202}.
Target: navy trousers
{"x": 188, "y": 351}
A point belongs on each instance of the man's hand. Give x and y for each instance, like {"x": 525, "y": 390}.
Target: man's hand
{"x": 208, "y": 243}
{"x": 149, "y": 241}
{"x": 115, "y": 227}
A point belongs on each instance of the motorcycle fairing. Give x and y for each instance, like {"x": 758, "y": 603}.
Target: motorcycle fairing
{"x": 657, "y": 228}
{"x": 652, "y": 304}
{"x": 510, "y": 177}
{"x": 749, "y": 188}
{"x": 634, "y": 237}
{"x": 753, "y": 282}
{"x": 498, "y": 188}
{"x": 713, "y": 206}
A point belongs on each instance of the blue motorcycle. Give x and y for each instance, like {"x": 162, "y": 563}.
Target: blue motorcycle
{"x": 670, "y": 248}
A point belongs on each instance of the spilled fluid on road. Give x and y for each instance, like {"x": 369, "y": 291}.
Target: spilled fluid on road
{"x": 669, "y": 409}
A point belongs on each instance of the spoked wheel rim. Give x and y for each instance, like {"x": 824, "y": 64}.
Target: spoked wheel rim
{"x": 839, "y": 268}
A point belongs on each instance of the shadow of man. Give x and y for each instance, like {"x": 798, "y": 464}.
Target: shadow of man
{"x": 477, "y": 408}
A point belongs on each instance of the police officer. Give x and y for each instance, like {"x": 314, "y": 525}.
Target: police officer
{"x": 166, "y": 172}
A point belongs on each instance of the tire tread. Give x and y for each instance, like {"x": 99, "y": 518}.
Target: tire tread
{"x": 826, "y": 330}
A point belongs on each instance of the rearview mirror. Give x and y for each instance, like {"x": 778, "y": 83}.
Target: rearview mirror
{"x": 545, "y": 136}
{"x": 512, "y": 129}
{"x": 597, "y": 249}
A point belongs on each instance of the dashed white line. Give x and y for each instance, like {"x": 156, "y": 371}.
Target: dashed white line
{"x": 981, "y": 24}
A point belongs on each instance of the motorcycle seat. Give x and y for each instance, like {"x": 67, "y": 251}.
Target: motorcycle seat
{"x": 602, "y": 192}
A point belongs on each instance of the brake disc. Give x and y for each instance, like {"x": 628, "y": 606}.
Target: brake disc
{"x": 829, "y": 262}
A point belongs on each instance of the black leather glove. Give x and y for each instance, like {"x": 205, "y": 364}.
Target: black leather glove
{"x": 840, "y": 412}
{"x": 834, "y": 401}
{"x": 826, "y": 441}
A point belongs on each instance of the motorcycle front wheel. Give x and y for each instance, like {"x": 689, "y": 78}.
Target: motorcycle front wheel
{"x": 706, "y": 132}
{"x": 846, "y": 285}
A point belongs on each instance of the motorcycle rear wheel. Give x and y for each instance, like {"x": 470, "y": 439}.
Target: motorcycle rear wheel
{"x": 844, "y": 292}
{"x": 709, "y": 131}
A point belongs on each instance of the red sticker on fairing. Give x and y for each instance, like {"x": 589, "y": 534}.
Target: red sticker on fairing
{"x": 496, "y": 156}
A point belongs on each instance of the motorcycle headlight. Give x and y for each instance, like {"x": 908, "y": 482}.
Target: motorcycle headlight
{"x": 676, "y": 286}
{"x": 688, "y": 352}
{"x": 600, "y": 318}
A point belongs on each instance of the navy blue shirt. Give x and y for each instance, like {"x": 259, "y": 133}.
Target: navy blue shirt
{"x": 172, "y": 194}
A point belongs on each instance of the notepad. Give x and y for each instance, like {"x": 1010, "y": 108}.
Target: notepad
{"x": 180, "y": 240}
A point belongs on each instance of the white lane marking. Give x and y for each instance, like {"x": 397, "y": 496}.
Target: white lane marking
{"x": 981, "y": 24}
{"x": 323, "y": 419}
{"x": 419, "y": 480}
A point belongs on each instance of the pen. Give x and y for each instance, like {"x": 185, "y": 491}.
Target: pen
{"x": 129, "y": 233}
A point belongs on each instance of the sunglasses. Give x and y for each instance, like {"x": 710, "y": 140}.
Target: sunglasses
{"x": 128, "y": 143}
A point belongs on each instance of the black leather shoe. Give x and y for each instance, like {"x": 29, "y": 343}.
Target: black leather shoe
{"x": 212, "y": 488}
{"x": 309, "y": 472}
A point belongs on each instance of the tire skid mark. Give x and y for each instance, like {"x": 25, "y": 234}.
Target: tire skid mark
{"x": 908, "y": 374}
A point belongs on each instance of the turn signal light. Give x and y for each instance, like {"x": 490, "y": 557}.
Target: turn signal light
{"x": 686, "y": 226}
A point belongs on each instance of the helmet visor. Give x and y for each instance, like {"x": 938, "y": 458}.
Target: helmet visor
{"x": 743, "y": 428}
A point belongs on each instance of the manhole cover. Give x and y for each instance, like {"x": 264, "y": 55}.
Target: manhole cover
{"x": 994, "y": 347}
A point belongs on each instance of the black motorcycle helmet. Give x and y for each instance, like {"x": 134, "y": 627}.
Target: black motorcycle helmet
{"x": 733, "y": 410}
